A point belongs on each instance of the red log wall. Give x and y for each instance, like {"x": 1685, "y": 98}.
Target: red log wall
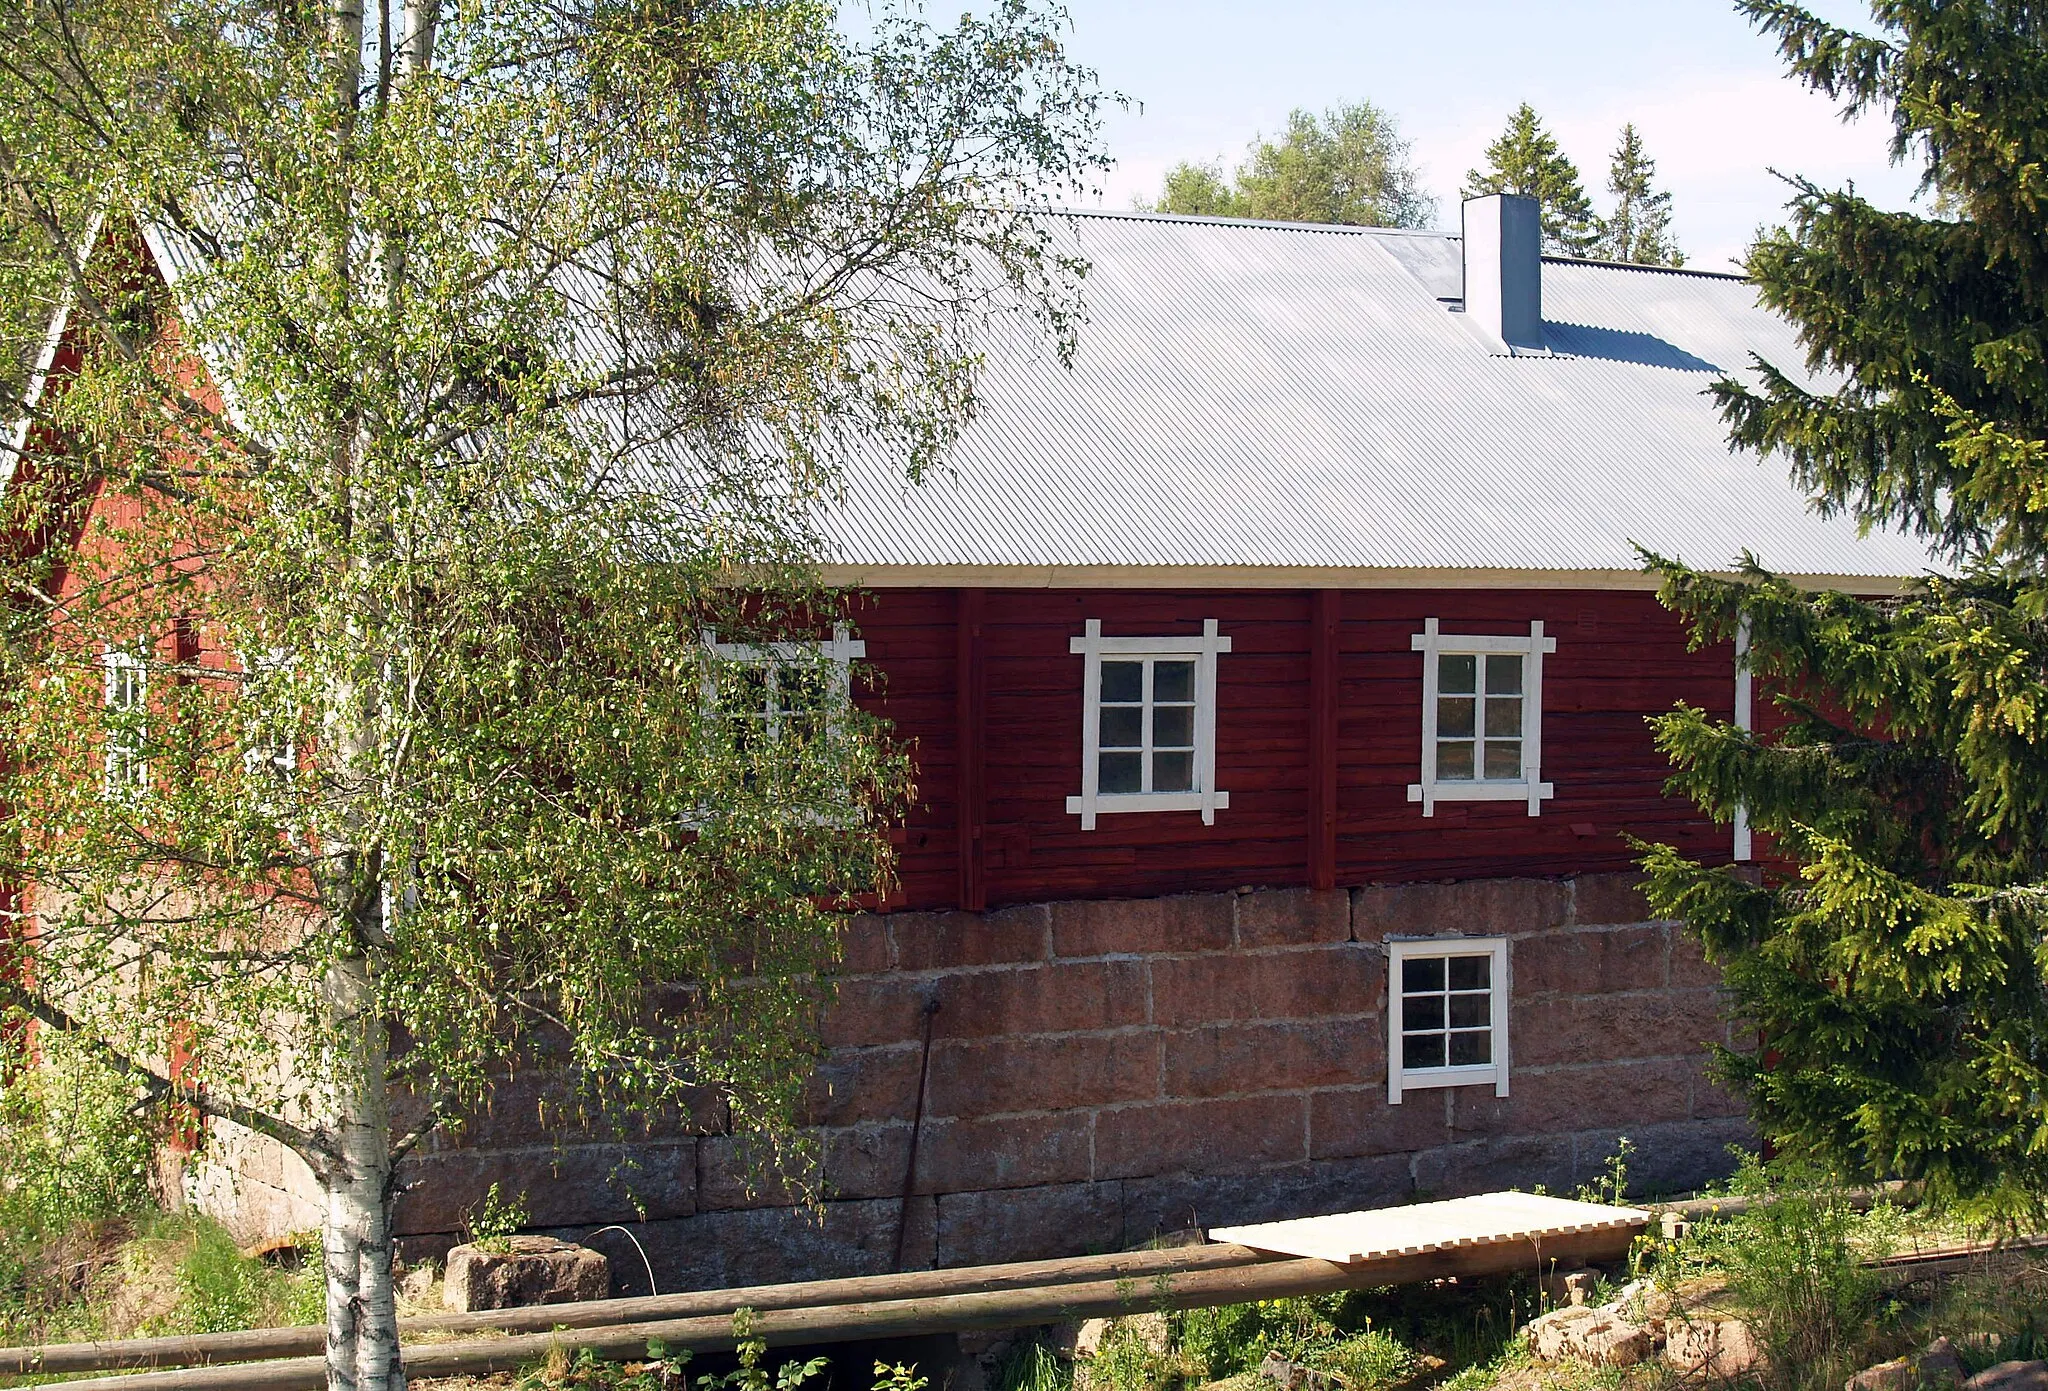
{"x": 1620, "y": 657}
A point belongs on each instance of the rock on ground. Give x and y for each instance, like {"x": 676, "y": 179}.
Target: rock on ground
{"x": 533, "y": 1270}
{"x": 1934, "y": 1365}
{"x": 1722, "y": 1348}
{"x": 2010, "y": 1376}
{"x": 1586, "y": 1333}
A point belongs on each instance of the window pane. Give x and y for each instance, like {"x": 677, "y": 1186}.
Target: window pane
{"x": 746, "y": 690}
{"x": 1504, "y": 674}
{"x": 1504, "y": 717}
{"x": 1503, "y": 760}
{"x": 1422, "y": 1012}
{"x": 1123, "y": 681}
{"x": 1422, "y": 1050}
{"x": 1173, "y": 772}
{"x": 1454, "y": 762}
{"x": 1173, "y": 681}
{"x": 1471, "y": 972}
{"x": 1123, "y": 726}
{"x": 1471, "y": 1050}
{"x": 1455, "y": 673}
{"x": 1471, "y": 1011}
{"x": 1174, "y": 727}
{"x": 1454, "y": 717}
{"x": 1120, "y": 772}
{"x": 1422, "y": 973}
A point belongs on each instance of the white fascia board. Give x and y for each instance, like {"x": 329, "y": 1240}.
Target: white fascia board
{"x": 46, "y": 358}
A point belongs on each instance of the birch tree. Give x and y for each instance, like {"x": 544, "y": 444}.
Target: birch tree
{"x": 361, "y": 728}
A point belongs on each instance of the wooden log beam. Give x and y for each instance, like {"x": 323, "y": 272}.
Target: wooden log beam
{"x": 258, "y": 1344}
{"x": 898, "y": 1318}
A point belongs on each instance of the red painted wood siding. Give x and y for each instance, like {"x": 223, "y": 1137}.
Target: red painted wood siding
{"x": 1619, "y": 658}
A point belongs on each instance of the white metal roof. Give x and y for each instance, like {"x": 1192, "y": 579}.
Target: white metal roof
{"x": 1264, "y": 398}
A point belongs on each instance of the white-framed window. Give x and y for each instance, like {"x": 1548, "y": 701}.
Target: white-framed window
{"x": 127, "y": 723}
{"x": 1148, "y": 724}
{"x": 269, "y": 747}
{"x": 780, "y": 687}
{"x": 1482, "y": 718}
{"x": 1447, "y": 1014}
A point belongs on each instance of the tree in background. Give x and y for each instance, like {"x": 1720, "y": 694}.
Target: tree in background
{"x": 1894, "y": 951}
{"x": 1526, "y": 160}
{"x": 361, "y": 732}
{"x": 1639, "y": 228}
{"x": 1348, "y": 165}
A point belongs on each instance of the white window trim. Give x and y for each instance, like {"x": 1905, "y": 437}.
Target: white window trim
{"x": 127, "y": 767}
{"x": 1401, "y": 1078}
{"x": 281, "y": 760}
{"x": 1433, "y": 643}
{"x": 1092, "y": 646}
{"x": 839, "y": 654}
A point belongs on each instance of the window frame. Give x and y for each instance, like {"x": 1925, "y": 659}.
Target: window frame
{"x": 126, "y": 752}
{"x": 258, "y": 754}
{"x": 838, "y": 653}
{"x": 1434, "y": 644}
{"x": 1203, "y": 649}
{"x": 1402, "y": 1078}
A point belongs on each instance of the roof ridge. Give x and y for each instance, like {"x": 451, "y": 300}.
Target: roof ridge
{"x": 1643, "y": 268}
{"x": 1260, "y": 224}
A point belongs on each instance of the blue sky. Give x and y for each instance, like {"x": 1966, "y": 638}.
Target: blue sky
{"x": 1708, "y": 93}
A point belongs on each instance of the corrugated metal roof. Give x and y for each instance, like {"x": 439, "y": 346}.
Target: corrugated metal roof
{"x": 1260, "y": 395}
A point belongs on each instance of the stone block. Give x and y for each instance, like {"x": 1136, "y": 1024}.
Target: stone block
{"x": 1609, "y": 898}
{"x": 1304, "y": 983}
{"x": 1517, "y": 1161}
{"x": 1180, "y": 1203}
{"x": 864, "y": 1085}
{"x": 1689, "y": 964}
{"x": 1570, "y": 1287}
{"x": 1201, "y": 1137}
{"x": 1557, "y": 1100}
{"x": 1029, "y": 1224}
{"x": 1359, "y": 1121}
{"x": 1607, "y": 1028}
{"x": 582, "y": 1185}
{"x": 1232, "y": 1059}
{"x": 869, "y": 1010}
{"x": 950, "y": 941}
{"x": 863, "y": 944}
{"x": 1293, "y": 917}
{"x": 1475, "y": 908}
{"x": 1067, "y": 996}
{"x": 1151, "y": 926}
{"x": 1005, "y": 1152}
{"x": 1581, "y": 962}
{"x": 761, "y": 1246}
{"x": 1047, "y": 1072}
{"x": 529, "y": 1270}
{"x": 1672, "y": 1158}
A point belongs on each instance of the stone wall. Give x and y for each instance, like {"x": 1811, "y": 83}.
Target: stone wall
{"x": 1103, "y": 1071}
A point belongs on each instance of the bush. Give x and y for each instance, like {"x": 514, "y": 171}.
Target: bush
{"x": 1795, "y": 1263}
{"x": 1328, "y": 1332}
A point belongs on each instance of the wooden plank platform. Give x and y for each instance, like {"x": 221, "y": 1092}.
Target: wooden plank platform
{"x": 1486, "y": 1220}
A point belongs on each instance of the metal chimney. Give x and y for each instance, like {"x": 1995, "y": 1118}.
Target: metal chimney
{"x": 1504, "y": 268}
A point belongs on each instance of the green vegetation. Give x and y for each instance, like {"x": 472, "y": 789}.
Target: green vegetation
{"x": 1348, "y": 165}
{"x": 1527, "y": 160}
{"x": 496, "y": 1220}
{"x": 1894, "y": 963}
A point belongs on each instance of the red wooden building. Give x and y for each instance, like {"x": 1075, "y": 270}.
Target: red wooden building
{"x": 1276, "y": 678}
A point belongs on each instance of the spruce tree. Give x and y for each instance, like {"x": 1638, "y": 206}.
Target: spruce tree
{"x": 1639, "y": 228}
{"x": 1891, "y": 952}
{"x": 1526, "y": 160}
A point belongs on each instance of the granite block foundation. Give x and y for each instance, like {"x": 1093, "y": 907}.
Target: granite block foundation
{"x": 1107, "y": 1071}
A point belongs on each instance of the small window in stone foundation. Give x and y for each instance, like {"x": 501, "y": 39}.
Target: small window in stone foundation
{"x": 1447, "y": 1014}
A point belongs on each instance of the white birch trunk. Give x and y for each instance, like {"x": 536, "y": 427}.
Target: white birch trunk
{"x": 362, "y": 1311}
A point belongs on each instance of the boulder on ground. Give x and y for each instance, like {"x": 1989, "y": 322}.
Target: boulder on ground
{"x": 1288, "y": 1375}
{"x": 2010, "y": 1376}
{"x": 524, "y": 1270}
{"x": 1934, "y": 1365}
{"x": 1585, "y": 1333}
{"x": 1570, "y": 1286}
{"x": 1722, "y": 1348}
